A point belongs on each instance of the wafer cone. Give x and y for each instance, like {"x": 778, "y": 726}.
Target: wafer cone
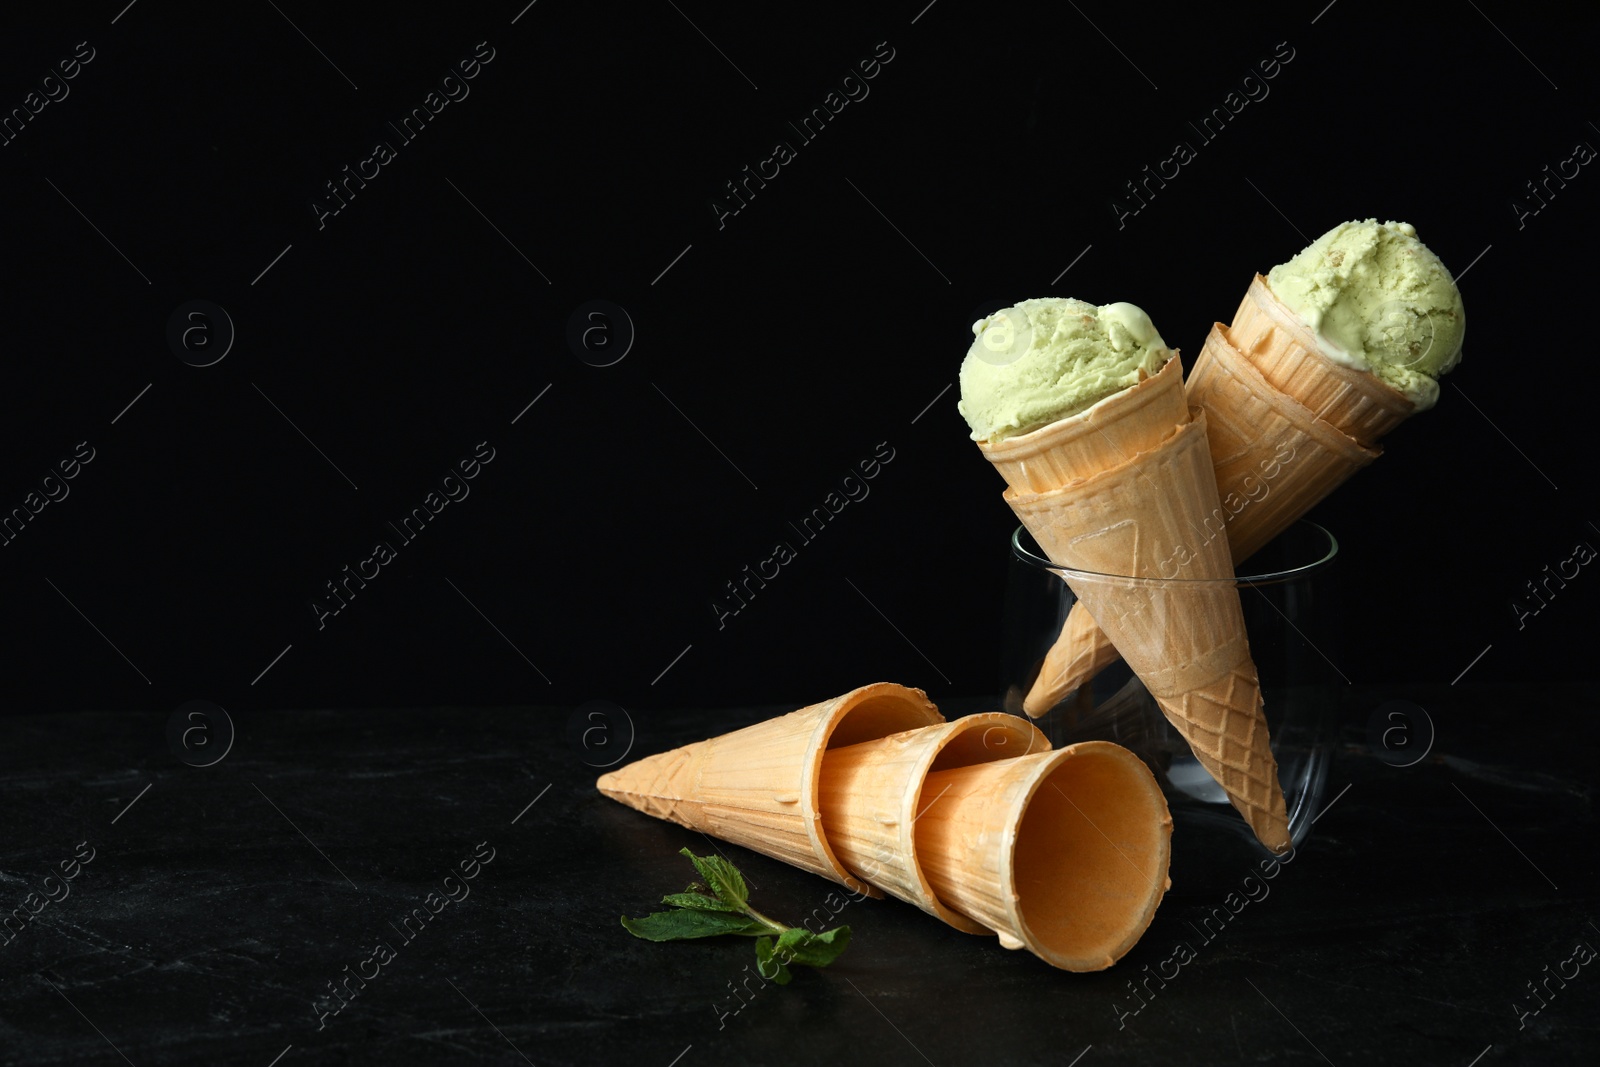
{"x": 1081, "y": 651}
{"x": 1274, "y": 460}
{"x": 1132, "y": 421}
{"x": 1064, "y": 853}
{"x": 758, "y": 787}
{"x": 872, "y": 794}
{"x": 1174, "y": 615}
{"x": 1356, "y": 402}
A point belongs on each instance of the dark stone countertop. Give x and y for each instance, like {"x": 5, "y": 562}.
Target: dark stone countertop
{"x": 219, "y": 904}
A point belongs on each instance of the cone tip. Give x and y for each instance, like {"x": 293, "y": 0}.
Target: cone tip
{"x": 1036, "y": 706}
{"x": 1272, "y": 830}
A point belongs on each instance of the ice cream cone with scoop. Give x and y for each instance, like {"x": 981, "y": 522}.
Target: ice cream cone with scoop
{"x": 1084, "y": 415}
{"x": 1325, "y": 355}
{"x": 1358, "y": 327}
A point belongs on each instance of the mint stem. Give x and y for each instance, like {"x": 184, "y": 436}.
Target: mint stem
{"x": 726, "y": 910}
{"x": 777, "y": 927}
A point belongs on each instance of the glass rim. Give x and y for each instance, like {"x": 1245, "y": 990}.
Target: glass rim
{"x": 1289, "y": 574}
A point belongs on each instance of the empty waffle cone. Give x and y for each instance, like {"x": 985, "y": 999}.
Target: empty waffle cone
{"x": 758, "y": 787}
{"x": 1274, "y": 460}
{"x": 1174, "y": 611}
{"x": 872, "y": 794}
{"x": 1356, "y": 402}
{"x": 1064, "y": 853}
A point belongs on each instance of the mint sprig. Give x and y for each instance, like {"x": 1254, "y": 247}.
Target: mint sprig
{"x": 721, "y": 905}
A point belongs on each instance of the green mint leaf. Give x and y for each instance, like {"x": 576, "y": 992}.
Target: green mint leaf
{"x": 686, "y": 924}
{"x": 726, "y": 909}
{"x": 792, "y": 942}
{"x": 696, "y": 901}
{"x": 801, "y": 946}
{"x": 722, "y": 877}
{"x": 769, "y": 963}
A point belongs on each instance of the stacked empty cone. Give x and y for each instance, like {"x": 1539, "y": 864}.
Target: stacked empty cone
{"x": 977, "y": 821}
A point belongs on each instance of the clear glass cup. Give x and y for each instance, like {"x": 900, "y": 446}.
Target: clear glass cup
{"x": 1286, "y": 596}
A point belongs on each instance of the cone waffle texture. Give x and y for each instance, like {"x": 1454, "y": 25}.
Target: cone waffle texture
{"x": 1273, "y": 457}
{"x": 1157, "y": 516}
{"x": 1274, "y": 460}
{"x": 1073, "y": 449}
{"x": 1354, "y": 401}
{"x": 1080, "y": 652}
{"x": 1124, "y": 424}
{"x": 1064, "y": 853}
{"x": 872, "y": 795}
{"x": 758, "y": 787}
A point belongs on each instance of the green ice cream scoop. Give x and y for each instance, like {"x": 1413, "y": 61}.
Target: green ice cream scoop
{"x": 1047, "y": 359}
{"x": 1378, "y": 299}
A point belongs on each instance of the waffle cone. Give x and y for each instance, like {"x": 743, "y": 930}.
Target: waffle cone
{"x": 1079, "y": 653}
{"x": 1354, "y": 401}
{"x": 1122, "y": 425}
{"x": 758, "y": 787}
{"x": 1064, "y": 853}
{"x": 872, "y": 794}
{"x": 1157, "y": 516}
{"x": 1274, "y": 460}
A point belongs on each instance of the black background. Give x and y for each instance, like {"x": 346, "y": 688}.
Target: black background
{"x": 773, "y": 354}
{"x": 821, "y": 320}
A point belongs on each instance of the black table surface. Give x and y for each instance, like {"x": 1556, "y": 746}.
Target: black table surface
{"x": 221, "y": 901}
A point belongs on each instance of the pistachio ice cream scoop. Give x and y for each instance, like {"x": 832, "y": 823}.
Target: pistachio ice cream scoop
{"x": 1377, "y": 299}
{"x": 1047, "y": 359}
